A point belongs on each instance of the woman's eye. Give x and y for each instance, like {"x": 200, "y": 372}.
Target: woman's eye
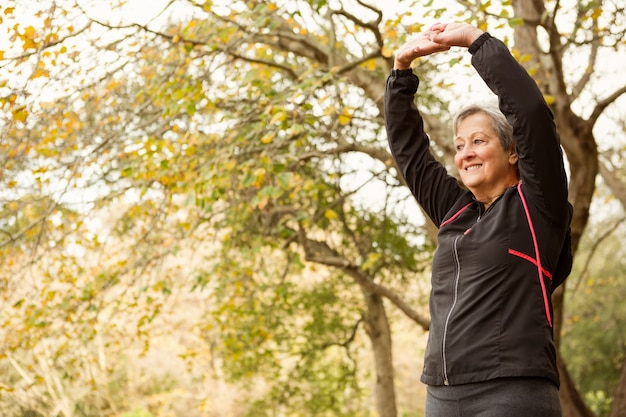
{"x": 477, "y": 141}
{"x": 459, "y": 148}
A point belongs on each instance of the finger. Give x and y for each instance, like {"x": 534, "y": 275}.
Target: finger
{"x": 438, "y": 27}
{"x": 440, "y": 38}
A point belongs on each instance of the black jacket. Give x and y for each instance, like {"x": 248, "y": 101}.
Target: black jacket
{"x": 493, "y": 271}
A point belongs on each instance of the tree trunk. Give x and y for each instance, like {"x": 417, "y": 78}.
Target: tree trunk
{"x": 619, "y": 396}
{"x": 571, "y": 401}
{"x": 582, "y": 154}
{"x": 377, "y": 328}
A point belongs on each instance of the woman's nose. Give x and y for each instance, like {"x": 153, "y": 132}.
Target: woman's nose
{"x": 467, "y": 152}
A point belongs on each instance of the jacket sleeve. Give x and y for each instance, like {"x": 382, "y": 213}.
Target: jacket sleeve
{"x": 538, "y": 145}
{"x": 435, "y": 190}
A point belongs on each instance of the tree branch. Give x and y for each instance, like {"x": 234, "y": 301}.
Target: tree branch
{"x": 46, "y": 46}
{"x": 321, "y": 253}
{"x": 15, "y": 237}
{"x": 603, "y": 104}
{"x": 596, "y": 244}
{"x": 615, "y": 184}
{"x": 584, "y": 79}
{"x": 372, "y": 25}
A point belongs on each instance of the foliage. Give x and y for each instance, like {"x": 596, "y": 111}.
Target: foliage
{"x": 594, "y": 334}
{"x": 598, "y": 402}
{"x": 227, "y": 160}
{"x": 174, "y": 142}
{"x": 138, "y": 412}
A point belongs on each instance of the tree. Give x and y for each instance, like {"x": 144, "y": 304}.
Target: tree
{"x": 260, "y": 123}
{"x": 593, "y": 334}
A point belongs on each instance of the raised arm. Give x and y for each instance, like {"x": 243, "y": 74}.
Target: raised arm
{"x": 427, "y": 179}
{"x": 537, "y": 142}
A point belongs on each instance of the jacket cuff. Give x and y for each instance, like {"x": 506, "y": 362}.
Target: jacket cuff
{"x": 401, "y": 73}
{"x": 475, "y": 46}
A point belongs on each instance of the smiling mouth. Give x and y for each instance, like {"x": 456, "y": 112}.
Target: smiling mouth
{"x": 472, "y": 168}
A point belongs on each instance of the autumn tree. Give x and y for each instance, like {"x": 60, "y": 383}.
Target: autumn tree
{"x": 257, "y": 126}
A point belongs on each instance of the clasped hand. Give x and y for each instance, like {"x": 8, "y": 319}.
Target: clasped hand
{"x": 439, "y": 37}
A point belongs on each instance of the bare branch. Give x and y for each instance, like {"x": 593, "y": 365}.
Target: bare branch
{"x": 603, "y": 104}
{"x": 591, "y": 63}
{"x": 594, "y": 248}
{"x": 617, "y": 186}
{"x": 372, "y": 25}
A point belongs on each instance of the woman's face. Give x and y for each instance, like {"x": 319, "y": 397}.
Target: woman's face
{"x": 484, "y": 166}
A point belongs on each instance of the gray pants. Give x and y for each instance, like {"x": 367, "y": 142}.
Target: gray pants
{"x": 502, "y": 397}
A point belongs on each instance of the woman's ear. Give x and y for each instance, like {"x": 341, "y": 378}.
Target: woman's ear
{"x": 513, "y": 158}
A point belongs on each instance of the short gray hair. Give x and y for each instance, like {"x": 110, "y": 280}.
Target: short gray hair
{"x": 499, "y": 123}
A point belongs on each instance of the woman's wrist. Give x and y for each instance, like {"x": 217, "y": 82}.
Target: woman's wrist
{"x": 478, "y": 42}
{"x": 400, "y": 66}
{"x": 474, "y": 35}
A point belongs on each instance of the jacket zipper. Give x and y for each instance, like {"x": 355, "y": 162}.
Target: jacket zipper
{"x": 454, "y": 300}
{"x": 457, "y": 278}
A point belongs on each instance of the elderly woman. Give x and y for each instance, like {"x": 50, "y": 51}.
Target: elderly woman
{"x": 503, "y": 241}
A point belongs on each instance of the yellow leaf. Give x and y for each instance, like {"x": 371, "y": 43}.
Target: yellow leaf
{"x": 387, "y": 52}
{"x": 549, "y": 99}
{"x": 525, "y": 58}
{"x": 267, "y": 138}
{"x": 372, "y": 258}
{"x": 40, "y": 71}
{"x": 391, "y": 33}
{"x": 596, "y": 13}
{"x": 20, "y": 114}
{"x": 30, "y": 32}
{"x": 345, "y": 117}
{"x": 330, "y": 214}
{"x": 369, "y": 65}
{"x": 259, "y": 173}
{"x": 281, "y": 116}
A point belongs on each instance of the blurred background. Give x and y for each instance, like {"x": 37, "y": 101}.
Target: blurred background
{"x": 200, "y": 216}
